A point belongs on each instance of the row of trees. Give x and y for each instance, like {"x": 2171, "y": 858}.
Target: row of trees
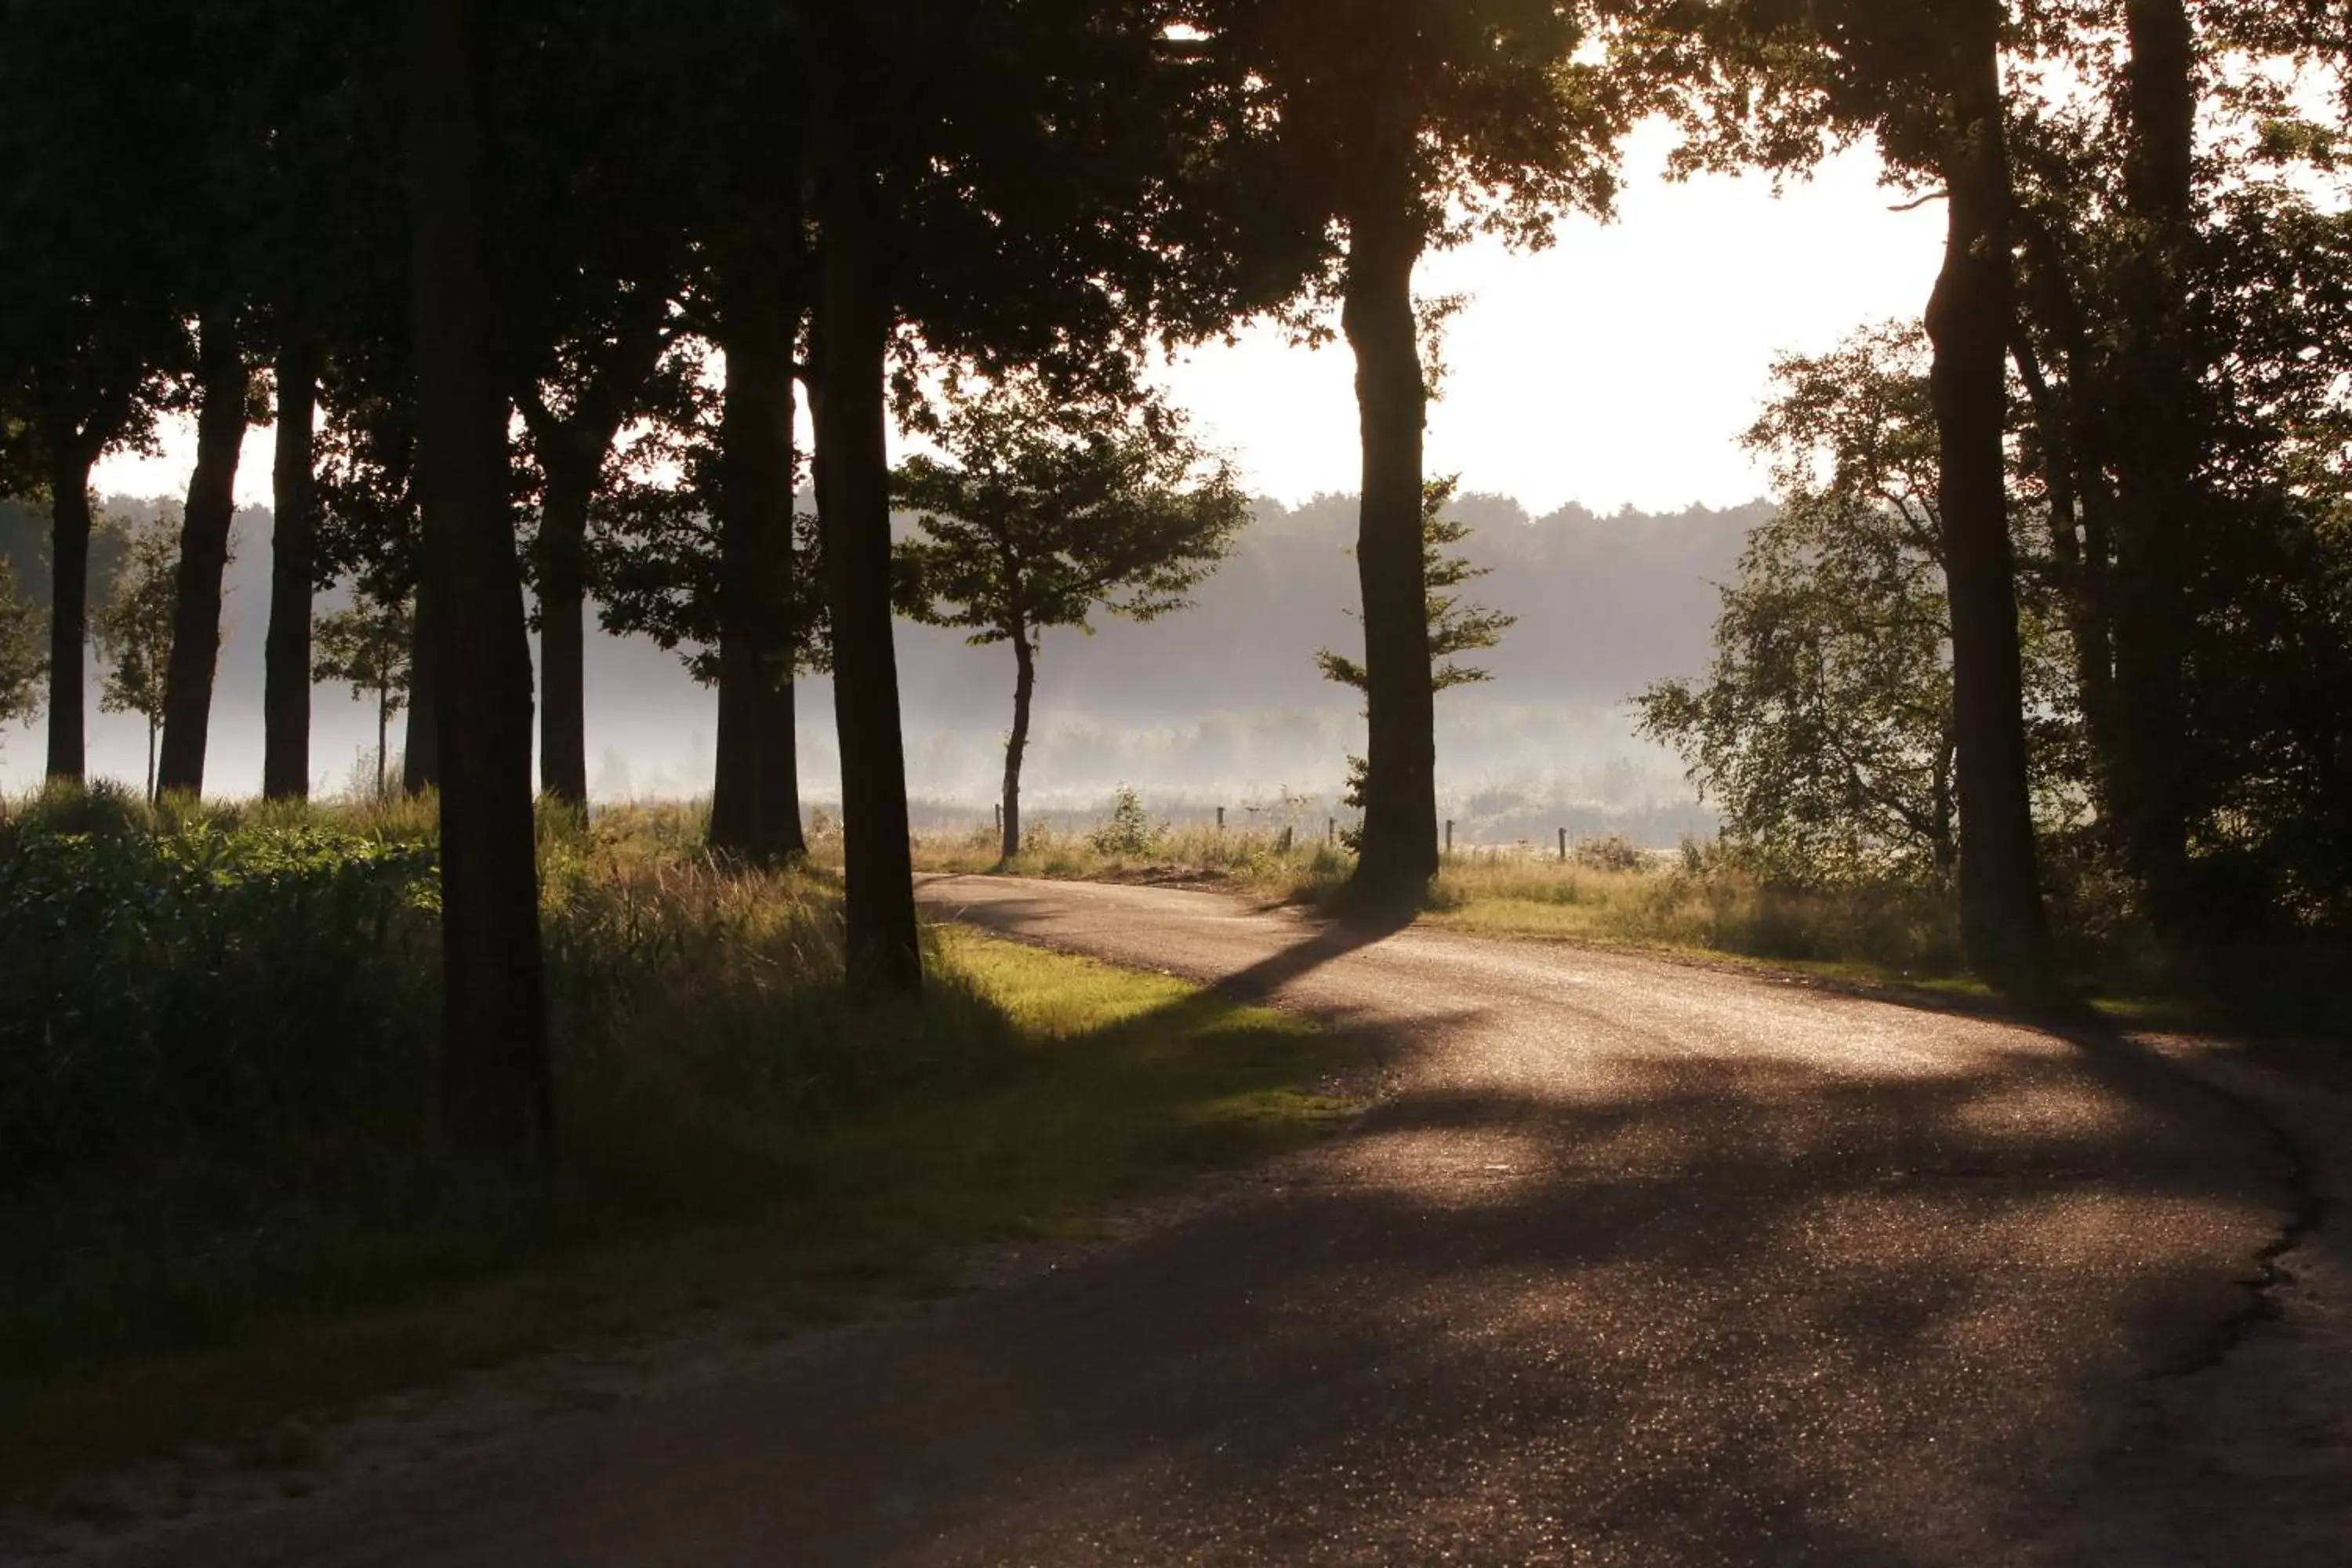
{"x": 2164, "y": 503}
{"x": 555, "y": 275}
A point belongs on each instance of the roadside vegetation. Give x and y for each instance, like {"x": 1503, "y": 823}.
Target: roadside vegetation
{"x": 1716, "y": 900}
{"x": 223, "y": 1199}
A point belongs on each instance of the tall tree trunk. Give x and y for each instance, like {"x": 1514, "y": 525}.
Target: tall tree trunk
{"x": 383, "y": 735}
{"x": 1016, "y": 744}
{"x": 755, "y": 791}
{"x": 497, "y": 1091}
{"x": 2157, "y": 454}
{"x": 2003, "y": 923}
{"x": 562, "y": 611}
{"x": 204, "y": 556}
{"x": 293, "y": 570}
{"x": 854, "y": 321}
{"x": 420, "y": 761}
{"x": 1399, "y": 853}
{"x": 69, "y": 464}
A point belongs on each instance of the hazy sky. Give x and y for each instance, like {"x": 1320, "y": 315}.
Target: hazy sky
{"x": 1619, "y": 367}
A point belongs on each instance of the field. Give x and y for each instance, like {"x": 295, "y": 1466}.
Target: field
{"x": 223, "y": 1203}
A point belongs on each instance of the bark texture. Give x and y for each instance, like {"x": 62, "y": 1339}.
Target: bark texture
{"x": 2003, "y": 926}
{"x": 1016, "y": 744}
{"x": 853, "y": 319}
{"x": 70, "y": 461}
{"x": 205, "y": 525}
{"x": 497, "y": 1094}
{"x": 293, "y": 571}
{"x": 568, "y": 473}
{"x": 1399, "y": 853}
{"x": 755, "y": 810}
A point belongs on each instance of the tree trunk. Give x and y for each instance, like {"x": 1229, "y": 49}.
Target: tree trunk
{"x": 204, "y": 556}
{"x": 293, "y": 570}
{"x": 1398, "y": 855}
{"x": 755, "y": 791}
{"x": 2003, "y": 923}
{"x": 853, "y": 320}
{"x": 420, "y": 761}
{"x": 383, "y": 735}
{"x": 1025, "y": 688}
{"x": 562, "y": 607}
{"x": 2156, "y": 457}
{"x": 153, "y": 796}
{"x": 497, "y": 1092}
{"x": 69, "y": 466}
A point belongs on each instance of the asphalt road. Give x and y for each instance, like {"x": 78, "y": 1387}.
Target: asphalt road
{"x": 1636, "y": 1263}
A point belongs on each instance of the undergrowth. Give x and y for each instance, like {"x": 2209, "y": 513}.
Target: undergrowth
{"x": 218, "y": 1132}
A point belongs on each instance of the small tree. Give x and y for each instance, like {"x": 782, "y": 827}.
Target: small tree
{"x": 133, "y": 631}
{"x": 1825, "y": 728}
{"x": 23, "y": 659}
{"x": 1455, "y": 626}
{"x": 1055, "y": 505}
{"x": 368, "y": 649}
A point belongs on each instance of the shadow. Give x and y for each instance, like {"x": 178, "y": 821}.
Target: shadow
{"x": 1664, "y": 1305}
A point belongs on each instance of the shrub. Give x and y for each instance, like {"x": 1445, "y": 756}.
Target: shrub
{"x": 1128, "y": 830}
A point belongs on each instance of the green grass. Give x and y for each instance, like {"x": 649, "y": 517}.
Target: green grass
{"x": 738, "y": 1134}
{"x": 1706, "y": 905}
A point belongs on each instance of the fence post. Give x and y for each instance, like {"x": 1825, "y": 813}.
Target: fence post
{"x": 1449, "y": 835}
{"x": 1563, "y": 846}
{"x": 1330, "y": 830}
{"x": 1221, "y": 819}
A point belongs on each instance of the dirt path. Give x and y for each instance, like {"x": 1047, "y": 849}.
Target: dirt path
{"x": 1639, "y": 1263}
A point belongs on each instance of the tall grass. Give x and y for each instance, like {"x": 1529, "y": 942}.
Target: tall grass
{"x": 217, "y": 1028}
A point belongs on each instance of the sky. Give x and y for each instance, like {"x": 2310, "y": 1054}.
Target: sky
{"x": 1616, "y": 368}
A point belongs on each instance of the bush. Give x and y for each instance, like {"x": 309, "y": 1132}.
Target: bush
{"x": 1128, "y": 830}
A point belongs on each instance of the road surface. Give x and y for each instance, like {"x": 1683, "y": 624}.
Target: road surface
{"x": 1636, "y": 1263}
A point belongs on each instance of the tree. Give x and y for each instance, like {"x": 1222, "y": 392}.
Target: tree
{"x": 1407, "y": 126}
{"x": 1009, "y": 182}
{"x": 88, "y": 323}
{"x": 1774, "y": 84}
{"x": 22, "y": 662}
{"x": 368, "y": 647}
{"x": 596, "y": 162}
{"x": 135, "y": 630}
{"x": 223, "y": 408}
{"x": 1455, "y": 626}
{"x": 1825, "y": 728}
{"x": 498, "y": 1083}
{"x": 1052, "y": 506}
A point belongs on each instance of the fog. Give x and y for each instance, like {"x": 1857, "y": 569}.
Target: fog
{"x": 1217, "y": 705}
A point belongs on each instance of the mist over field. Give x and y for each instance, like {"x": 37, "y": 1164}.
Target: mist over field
{"x": 1217, "y": 705}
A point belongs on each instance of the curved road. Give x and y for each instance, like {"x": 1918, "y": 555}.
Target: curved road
{"x": 1639, "y": 1263}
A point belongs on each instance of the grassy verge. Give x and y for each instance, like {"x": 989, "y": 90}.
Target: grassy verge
{"x": 1701, "y": 905}
{"x": 739, "y": 1135}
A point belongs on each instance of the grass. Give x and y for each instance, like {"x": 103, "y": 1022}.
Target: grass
{"x": 1703, "y": 903}
{"x": 739, "y": 1135}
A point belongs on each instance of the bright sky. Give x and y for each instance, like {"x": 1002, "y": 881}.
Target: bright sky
{"x": 1617, "y": 367}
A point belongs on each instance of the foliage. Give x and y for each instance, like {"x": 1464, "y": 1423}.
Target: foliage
{"x": 367, "y": 648}
{"x": 1824, "y": 729}
{"x": 22, "y": 661}
{"x": 133, "y": 628}
{"x": 1058, "y": 502}
{"x": 1455, "y": 626}
{"x": 1128, "y": 830}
